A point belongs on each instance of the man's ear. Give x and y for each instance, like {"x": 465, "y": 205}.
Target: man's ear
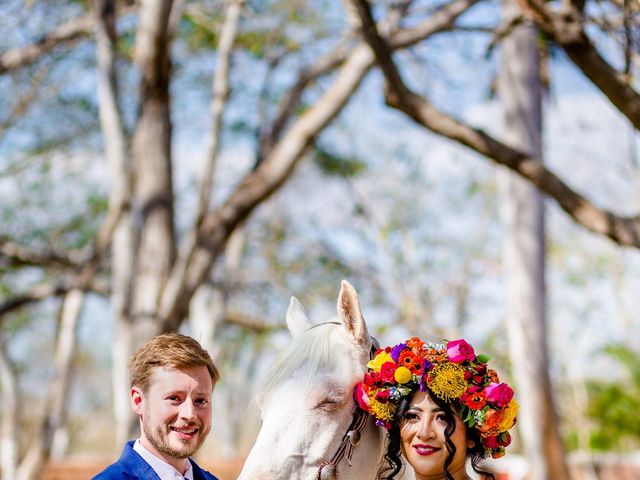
{"x": 137, "y": 400}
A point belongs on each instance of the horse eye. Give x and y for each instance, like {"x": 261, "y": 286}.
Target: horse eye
{"x": 328, "y": 404}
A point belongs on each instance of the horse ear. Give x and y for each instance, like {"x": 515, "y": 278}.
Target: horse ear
{"x": 351, "y": 316}
{"x": 297, "y": 320}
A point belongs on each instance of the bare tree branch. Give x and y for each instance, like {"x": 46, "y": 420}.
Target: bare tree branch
{"x": 622, "y": 230}
{"x": 239, "y": 319}
{"x": 443, "y": 19}
{"x": 14, "y": 254}
{"x": 277, "y": 168}
{"x": 220, "y": 88}
{"x": 69, "y": 32}
{"x": 566, "y": 29}
{"x": 49, "y": 290}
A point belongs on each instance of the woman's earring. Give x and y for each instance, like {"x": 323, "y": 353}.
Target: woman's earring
{"x": 471, "y": 444}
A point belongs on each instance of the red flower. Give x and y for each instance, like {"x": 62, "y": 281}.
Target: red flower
{"x": 474, "y": 400}
{"x": 383, "y": 395}
{"x": 371, "y": 378}
{"x": 491, "y": 442}
{"x": 386, "y": 372}
{"x": 504, "y": 439}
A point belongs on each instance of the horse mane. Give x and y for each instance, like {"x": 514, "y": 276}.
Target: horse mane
{"x": 307, "y": 354}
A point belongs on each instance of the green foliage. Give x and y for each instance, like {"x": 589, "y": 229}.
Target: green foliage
{"x": 197, "y": 35}
{"x": 614, "y": 407}
{"x": 336, "y": 165}
{"x": 201, "y": 34}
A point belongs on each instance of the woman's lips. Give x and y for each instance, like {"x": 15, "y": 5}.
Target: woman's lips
{"x": 425, "y": 450}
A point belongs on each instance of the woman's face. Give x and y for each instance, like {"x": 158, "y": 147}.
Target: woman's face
{"x": 423, "y": 442}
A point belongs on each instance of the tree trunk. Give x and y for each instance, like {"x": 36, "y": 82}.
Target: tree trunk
{"x": 524, "y": 256}
{"x": 55, "y": 411}
{"x": 9, "y": 425}
{"x": 120, "y": 191}
{"x": 144, "y": 245}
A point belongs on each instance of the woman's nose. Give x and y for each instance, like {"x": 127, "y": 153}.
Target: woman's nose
{"x": 425, "y": 429}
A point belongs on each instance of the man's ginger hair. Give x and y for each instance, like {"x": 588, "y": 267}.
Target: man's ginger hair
{"x": 171, "y": 350}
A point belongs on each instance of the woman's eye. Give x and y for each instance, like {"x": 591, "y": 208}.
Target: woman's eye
{"x": 441, "y": 418}
{"x": 411, "y": 416}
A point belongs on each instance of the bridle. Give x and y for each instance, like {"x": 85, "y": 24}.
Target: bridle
{"x": 351, "y": 437}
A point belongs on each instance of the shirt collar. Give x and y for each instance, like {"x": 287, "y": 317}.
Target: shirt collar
{"x": 162, "y": 468}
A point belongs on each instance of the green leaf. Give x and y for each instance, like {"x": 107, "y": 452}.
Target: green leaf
{"x": 483, "y": 358}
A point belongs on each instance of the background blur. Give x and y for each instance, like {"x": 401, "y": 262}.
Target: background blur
{"x": 190, "y": 165}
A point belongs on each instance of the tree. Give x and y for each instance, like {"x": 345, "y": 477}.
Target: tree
{"x": 520, "y": 88}
{"x": 154, "y": 272}
{"x": 136, "y": 243}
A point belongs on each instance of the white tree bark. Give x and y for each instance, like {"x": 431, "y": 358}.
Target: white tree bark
{"x": 151, "y": 157}
{"x": 55, "y": 411}
{"x": 123, "y": 236}
{"x": 9, "y": 427}
{"x": 524, "y": 255}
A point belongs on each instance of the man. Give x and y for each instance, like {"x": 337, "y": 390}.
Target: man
{"x": 172, "y": 379}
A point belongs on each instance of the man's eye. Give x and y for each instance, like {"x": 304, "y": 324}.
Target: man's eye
{"x": 202, "y": 401}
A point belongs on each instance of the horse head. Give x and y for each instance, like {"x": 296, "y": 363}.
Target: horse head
{"x": 307, "y": 404}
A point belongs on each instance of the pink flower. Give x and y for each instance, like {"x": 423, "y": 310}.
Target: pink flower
{"x": 499, "y": 394}
{"x": 361, "y": 397}
{"x": 459, "y": 350}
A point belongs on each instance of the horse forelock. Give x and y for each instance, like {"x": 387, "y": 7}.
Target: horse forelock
{"x": 303, "y": 358}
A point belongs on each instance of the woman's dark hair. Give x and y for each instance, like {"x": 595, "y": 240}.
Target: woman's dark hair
{"x": 393, "y": 461}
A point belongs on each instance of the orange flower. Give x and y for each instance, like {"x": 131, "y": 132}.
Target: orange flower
{"x": 412, "y": 361}
{"x": 492, "y": 375}
{"x": 491, "y": 425}
{"x": 414, "y": 343}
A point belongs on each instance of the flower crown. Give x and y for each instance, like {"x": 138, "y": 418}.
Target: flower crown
{"x": 452, "y": 372}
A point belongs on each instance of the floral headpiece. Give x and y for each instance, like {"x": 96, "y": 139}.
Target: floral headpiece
{"x": 452, "y": 372}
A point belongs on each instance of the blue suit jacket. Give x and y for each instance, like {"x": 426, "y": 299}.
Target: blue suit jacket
{"x": 131, "y": 466}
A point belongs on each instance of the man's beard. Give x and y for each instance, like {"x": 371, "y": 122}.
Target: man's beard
{"x": 158, "y": 438}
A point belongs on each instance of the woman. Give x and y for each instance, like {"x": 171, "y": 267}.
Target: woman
{"x": 441, "y": 404}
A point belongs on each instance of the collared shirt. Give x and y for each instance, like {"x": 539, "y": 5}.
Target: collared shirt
{"x": 162, "y": 468}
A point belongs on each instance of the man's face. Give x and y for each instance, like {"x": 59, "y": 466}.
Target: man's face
{"x": 175, "y": 412}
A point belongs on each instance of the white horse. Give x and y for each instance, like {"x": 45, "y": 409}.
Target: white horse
{"x": 307, "y": 403}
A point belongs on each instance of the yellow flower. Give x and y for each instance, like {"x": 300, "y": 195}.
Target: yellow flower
{"x": 508, "y": 416}
{"x": 447, "y": 381}
{"x": 402, "y": 375}
{"x": 376, "y": 363}
{"x": 383, "y": 411}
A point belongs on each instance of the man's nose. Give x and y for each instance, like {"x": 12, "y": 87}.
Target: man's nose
{"x": 187, "y": 409}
